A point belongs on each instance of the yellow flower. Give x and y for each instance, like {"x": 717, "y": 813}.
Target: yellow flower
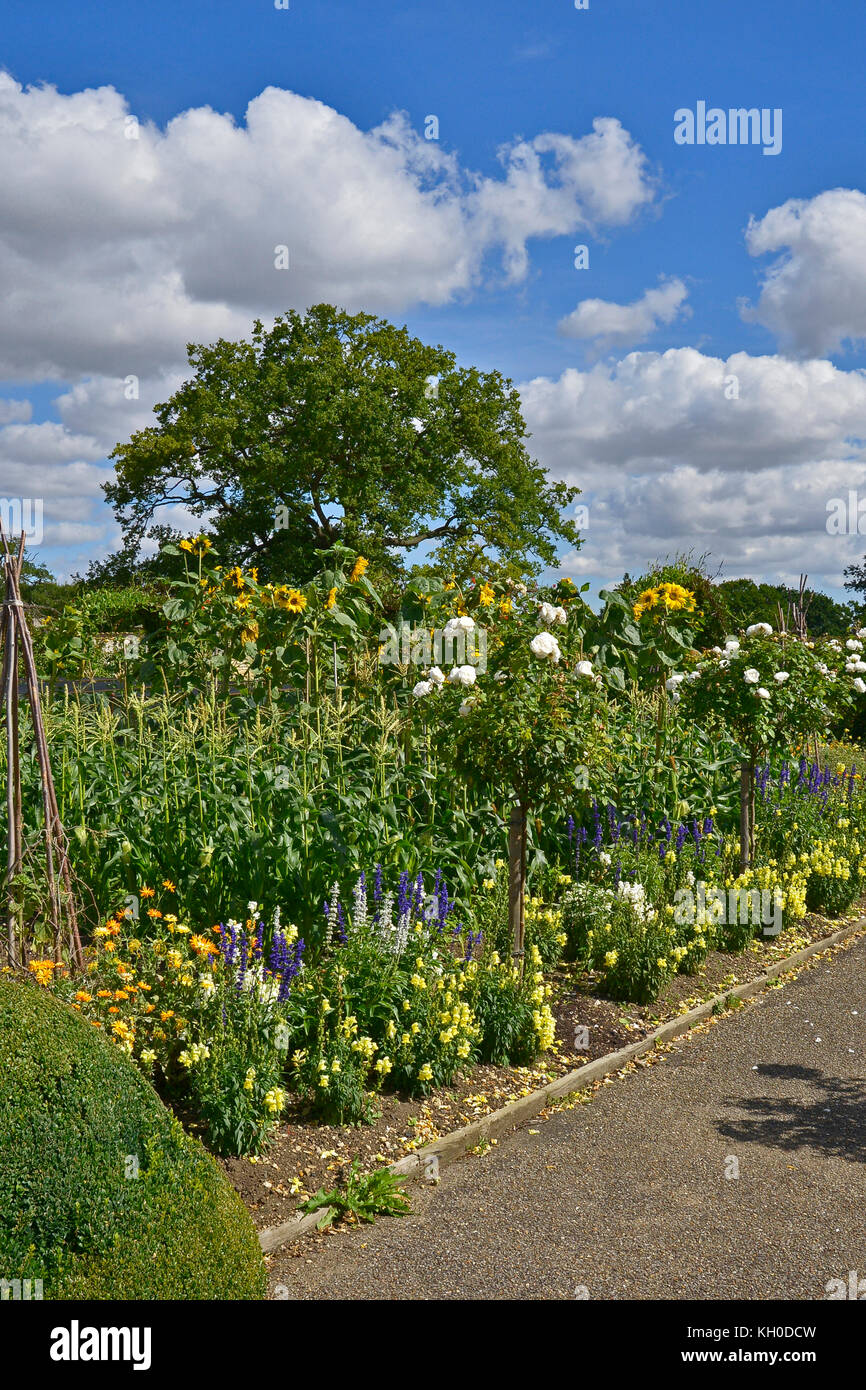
{"x": 332, "y": 599}
{"x": 290, "y": 600}
{"x": 275, "y": 1100}
{"x": 199, "y": 545}
{"x": 358, "y": 569}
{"x": 664, "y": 598}
{"x": 43, "y": 970}
{"x": 486, "y": 595}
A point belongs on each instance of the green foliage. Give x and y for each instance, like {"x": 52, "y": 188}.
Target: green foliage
{"x": 628, "y": 942}
{"x": 766, "y": 688}
{"x": 77, "y": 1122}
{"x": 40, "y": 588}
{"x": 325, "y": 429}
{"x": 744, "y": 602}
{"x": 364, "y": 1197}
{"x": 711, "y": 621}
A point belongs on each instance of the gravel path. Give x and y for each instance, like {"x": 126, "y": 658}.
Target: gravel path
{"x": 627, "y": 1197}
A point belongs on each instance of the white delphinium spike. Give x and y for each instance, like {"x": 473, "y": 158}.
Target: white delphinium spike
{"x": 402, "y": 933}
{"x": 359, "y": 900}
{"x": 386, "y": 925}
{"x": 331, "y": 929}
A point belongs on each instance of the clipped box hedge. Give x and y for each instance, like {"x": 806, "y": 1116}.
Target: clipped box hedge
{"x": 77, "y": 1121}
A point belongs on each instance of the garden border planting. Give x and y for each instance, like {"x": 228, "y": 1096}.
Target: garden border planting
{"x": 451, "y": 1147}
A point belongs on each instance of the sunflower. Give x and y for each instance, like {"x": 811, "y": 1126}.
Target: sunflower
{"x": 290, "y": 600}
{"x": 358, "y": 569}
{"x": 198, "y": 546}
{"x": 665, "y": 598}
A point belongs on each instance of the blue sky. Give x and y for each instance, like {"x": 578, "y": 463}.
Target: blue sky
{"x": 662, "y": 467}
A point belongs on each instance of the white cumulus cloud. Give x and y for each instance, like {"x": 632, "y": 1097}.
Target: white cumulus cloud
{"x": 116, "y": 251}
{"x": 678, "y": 450}
{"x": 813, "y": 296}
{"x": 621, "y": 325}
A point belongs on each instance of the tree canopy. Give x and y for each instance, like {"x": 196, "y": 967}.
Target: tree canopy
{"x": 334, "y": 428}
{"x": 746, "y": 602}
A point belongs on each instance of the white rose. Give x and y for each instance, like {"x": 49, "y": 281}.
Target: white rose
{"x": 545, "y": 645}
{"x": 780, "y": 677}
{"x": 462, "y": 675}
{"x": 548, "y": 613}
{"x": 673, "y": 681}
{"x": 859, "y": 685}
{"x": 764, "y": 694}
{"x": 759, "y": 630}
{"x": 693, "y": 676}
{"x": 732, "y": 646}
{"x": 455, "y": 625}
{"x": 436, "y": 676}
{"x": 421, "y": 689}
{"x": 861, "y": 633}
{"x": 853, "y": 645}
{"x": 751, "y": 676}
{"x": 857, "y": 666}
{"x": 466, "y": 708}
{"x": 584, "y": 668}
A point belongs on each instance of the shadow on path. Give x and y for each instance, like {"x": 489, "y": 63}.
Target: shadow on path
{"x": 832, "y": 1121}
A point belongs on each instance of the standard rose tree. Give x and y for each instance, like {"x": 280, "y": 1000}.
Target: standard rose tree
{"x": 768, "y": 689}
{"x": 527, "y": 725}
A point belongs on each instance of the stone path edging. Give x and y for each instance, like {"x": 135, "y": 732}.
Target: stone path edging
{"x": 450, "y": 1147}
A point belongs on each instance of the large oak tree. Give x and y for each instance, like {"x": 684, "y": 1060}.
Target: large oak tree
{"x": 336, "y": 428}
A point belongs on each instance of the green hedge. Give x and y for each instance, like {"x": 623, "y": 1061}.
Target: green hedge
{"x": 75, "y": 1119}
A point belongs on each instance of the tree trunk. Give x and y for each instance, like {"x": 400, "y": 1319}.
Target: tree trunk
{"x": 517, "y": 880}
{"x": 745, "y": 819}
{"x": 747, "y": 812}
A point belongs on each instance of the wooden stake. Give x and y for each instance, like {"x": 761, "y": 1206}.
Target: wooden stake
{"x": 13, "y": 765}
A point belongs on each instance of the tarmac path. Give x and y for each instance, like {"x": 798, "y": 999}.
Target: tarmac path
{"x": 635, "y": 1195}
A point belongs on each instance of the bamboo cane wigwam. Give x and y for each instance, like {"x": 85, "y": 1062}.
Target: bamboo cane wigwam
{"x": 18, "y": 653}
